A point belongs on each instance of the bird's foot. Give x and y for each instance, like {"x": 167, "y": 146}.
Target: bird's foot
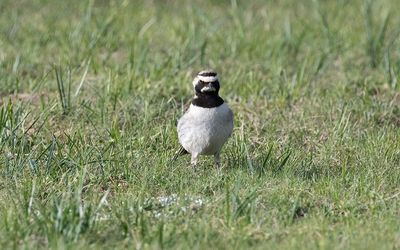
{"x": 193, "y": 162}
{"x": 217, "y": 162}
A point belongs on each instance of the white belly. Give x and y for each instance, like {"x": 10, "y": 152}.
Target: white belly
{"x": 205, "y": 130}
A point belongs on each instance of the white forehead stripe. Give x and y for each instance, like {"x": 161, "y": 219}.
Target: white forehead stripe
{"x": 207, "y": 78}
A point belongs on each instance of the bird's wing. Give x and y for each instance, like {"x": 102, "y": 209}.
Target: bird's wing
{"x": 180, "y": 152}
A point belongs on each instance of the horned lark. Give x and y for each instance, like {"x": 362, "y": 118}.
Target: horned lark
{"x": 208, "y": 123}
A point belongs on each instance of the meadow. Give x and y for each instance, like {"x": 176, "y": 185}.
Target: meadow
{"x": 90, "y": 94}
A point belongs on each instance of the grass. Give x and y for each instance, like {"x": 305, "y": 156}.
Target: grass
{"x": 91, "y": 91}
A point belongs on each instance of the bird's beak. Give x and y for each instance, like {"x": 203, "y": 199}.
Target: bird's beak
{"x": 208, "y": 88}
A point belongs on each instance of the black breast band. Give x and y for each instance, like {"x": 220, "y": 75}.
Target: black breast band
{"x": 207, "y": 101}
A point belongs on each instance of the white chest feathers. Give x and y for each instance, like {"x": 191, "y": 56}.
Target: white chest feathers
{"x": 205, "y": 130}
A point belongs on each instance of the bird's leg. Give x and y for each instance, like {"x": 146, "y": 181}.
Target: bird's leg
{"x": 193, "y": 161}
{"x": 217, "y": 160}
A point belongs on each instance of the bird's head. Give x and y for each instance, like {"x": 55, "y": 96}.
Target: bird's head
{"x": 206, "y": 83}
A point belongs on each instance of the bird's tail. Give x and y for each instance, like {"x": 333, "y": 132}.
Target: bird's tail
{"x": 180, "y": 152}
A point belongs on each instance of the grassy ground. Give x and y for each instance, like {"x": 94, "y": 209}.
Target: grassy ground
{"x": 91, "y": 91}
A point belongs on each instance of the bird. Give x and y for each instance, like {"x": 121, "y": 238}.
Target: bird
{"x": 208, "y": 122}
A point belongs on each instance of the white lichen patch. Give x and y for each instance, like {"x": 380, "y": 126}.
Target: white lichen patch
{"x": 172, "y": 205}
